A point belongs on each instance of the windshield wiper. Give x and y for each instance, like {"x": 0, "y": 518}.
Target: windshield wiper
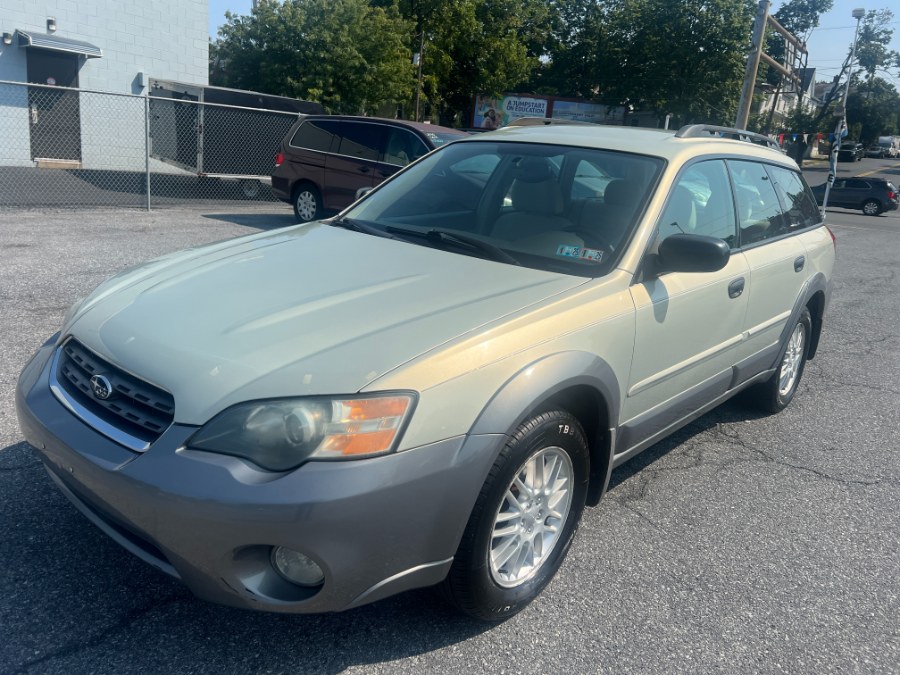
{"x": 360, "y": 226}
{"x": 443, "y": 236}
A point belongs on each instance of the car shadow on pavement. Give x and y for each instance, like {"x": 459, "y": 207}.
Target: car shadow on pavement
{"x": 74, "y": 601}
{"x": 733, "y": 410}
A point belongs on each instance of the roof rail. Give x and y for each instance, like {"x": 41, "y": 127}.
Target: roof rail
{"x": 543, "y": 121}
{"x": 697, "y": 130}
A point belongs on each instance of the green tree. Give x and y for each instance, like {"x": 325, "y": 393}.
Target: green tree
{"x": 685, "y": 58}
{"x": 875, "y": 107}
{"x": 346, "y": 54}
{"x": 473, "y": 47}
{"x": 875, "y": 35}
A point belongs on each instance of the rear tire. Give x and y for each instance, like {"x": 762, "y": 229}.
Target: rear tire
{"x": 307, "y": 203}
{"x": 871, "y": 207}
{"x": 778, "y": 391}
{"x": 524, "y": 519}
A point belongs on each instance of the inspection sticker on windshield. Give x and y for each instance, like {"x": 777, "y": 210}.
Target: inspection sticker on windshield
{"x": 569, "y": 251}
{"x": 573, "y": 251}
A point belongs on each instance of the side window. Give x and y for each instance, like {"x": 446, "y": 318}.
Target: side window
{"x": 402, "y": 147}
{"x": 361, "y": 140}
{"x": 856, "y": 184}
{"x": 316, "y": 135}
{"x": 801, "y": 209}
{"x": 759, "y": 211}
{"x": 701, "y": 203}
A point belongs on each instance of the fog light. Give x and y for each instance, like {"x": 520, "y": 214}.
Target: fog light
{"x": 296, "y": 567}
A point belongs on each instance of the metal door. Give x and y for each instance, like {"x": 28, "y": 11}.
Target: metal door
{"x": 55, "y": 115}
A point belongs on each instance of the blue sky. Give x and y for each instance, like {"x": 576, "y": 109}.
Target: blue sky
{"x": 828, "y": 45}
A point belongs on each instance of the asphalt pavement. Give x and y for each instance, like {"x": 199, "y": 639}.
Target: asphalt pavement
{"x": 743, "y": 543}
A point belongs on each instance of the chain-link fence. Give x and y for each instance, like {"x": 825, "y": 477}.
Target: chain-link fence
{"x": 63, "y": 147}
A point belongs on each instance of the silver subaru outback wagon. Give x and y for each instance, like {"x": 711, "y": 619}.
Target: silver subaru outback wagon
{"x": 428, "y": 388}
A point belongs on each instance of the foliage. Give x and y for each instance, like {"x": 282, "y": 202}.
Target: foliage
{"x": 685, "y": 58}
{"x": 346, "y": 54}
{"x": 875, "y": 35}
{"x": 875, "y": 107}
{"x": 474, "y": 47}
{"x": 872, "y": 51}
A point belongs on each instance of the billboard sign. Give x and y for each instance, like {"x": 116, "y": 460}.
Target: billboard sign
{"x": 493, "y": 113}
{"x": 588, "y": 112}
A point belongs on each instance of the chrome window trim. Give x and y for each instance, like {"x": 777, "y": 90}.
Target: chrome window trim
{"x": 98, "y": 424}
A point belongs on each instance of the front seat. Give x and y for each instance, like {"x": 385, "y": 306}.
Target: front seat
{"x": 537, "y": 203}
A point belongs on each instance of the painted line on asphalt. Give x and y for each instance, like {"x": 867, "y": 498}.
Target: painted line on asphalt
{"x": 874, "y": 171}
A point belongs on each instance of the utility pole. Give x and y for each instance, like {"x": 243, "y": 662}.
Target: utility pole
{"x": 763, "y": 20}
{"x": 759, "y": 32}
{"x": 841, "y": 128}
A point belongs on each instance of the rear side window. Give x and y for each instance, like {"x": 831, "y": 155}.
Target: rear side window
{"x": 800, "y": 207}
{"x": 361, "y": 140}
{"x": 759, "y": 211}
{"x": 316, "y": 135}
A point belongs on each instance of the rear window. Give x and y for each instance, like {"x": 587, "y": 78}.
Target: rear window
{"x": 800, "y": 206}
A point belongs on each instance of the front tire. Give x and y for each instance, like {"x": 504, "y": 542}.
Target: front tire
{"x": 524, "y": 519}
{"x": 871, "y": 207}
{"x": 778, "y": 391}
{"x": 307, "y": 203}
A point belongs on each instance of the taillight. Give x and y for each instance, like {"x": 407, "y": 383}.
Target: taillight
{"x": 833, "y": 238}
{"x": 279, "y": 159}
{"x": 890, "y": 195}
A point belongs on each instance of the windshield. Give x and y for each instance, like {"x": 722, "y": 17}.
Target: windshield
{"x": 550, "y": 207}
{"x": 439, "y": 138}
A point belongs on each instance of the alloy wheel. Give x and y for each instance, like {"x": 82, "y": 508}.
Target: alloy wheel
{"x": 531, "y": 517}
{"x": 793, "y": 359}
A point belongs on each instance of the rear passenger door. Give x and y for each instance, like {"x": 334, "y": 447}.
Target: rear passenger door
{"x": 773, "y": 204}
{"x": 855, "y": 192}
{"x": 352, "y": 164}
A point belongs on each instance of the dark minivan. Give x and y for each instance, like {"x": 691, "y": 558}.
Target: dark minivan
{"x": 324, "y": 159}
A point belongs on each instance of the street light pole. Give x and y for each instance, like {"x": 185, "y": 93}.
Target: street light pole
{"x": 842, "y": 126}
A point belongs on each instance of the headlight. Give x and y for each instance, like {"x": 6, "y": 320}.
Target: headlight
{"x": 281, "y": 434}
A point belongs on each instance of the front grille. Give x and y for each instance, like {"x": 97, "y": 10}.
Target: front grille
{"x": 138, "y": 408}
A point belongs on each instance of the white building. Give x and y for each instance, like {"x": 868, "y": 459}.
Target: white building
{"x": 106, "y": 45}
{"x": 781, "y": 103}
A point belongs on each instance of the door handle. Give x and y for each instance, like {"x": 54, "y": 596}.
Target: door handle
{"x": 364, "y": 169}
{"x": 799, "y": 263}
{"x": 736, "y": 287}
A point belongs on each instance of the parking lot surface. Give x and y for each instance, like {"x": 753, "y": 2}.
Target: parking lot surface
{"x": 743, "y": 543}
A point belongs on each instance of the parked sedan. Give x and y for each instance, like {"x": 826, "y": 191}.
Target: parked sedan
{"x": 871, "y": 195}
{"x": 876, "y": 151}
{"x": 850, "y": 152}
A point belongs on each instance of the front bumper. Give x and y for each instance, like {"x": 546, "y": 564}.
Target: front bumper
{"x": 376, "y": 527}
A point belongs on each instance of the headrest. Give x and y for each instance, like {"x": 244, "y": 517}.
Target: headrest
{"x": 620, "y": 193}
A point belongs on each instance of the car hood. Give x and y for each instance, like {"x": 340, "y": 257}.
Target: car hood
{"x": 303, "y": 311}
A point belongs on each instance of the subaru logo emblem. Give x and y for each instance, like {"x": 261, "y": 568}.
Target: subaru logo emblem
{"x": 101, "y": 387}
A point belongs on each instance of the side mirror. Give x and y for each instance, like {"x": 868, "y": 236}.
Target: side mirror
{"x": 363, "y": 191}
{"x": 692, "y": 253}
